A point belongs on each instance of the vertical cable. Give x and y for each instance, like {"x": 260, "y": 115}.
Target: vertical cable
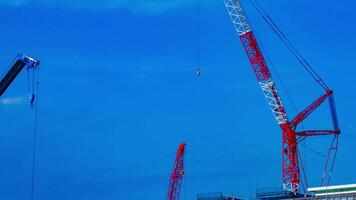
{"x": 303, "y": 173}
{"x": 28, "y": 80}
{"x": 289, "y": 44}
{"x": 198, "y": 34}
{"x": 327, "y": 162}
{"x": 336, "y": 147}
{"x": 305, "y": 158}
{"x": 33, "y": 80}
{"x": 34, "y": 137}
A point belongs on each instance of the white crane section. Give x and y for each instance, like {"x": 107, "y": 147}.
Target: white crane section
{"x": 243, "y": 29}
{"x": 269, "y": 90}
{"x": 237, "y": 16}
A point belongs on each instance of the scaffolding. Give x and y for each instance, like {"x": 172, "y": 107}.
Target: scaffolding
{"x": 276, "y": 193}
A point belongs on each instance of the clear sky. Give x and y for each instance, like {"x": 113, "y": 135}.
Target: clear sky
{"x": 118, "y": 93}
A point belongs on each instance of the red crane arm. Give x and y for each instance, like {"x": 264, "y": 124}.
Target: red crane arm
{"x": 307, "y": 111}
{"x": 317, "y": 133}
{"x": 263, "y": 76}
{"x": 176, "y": 178}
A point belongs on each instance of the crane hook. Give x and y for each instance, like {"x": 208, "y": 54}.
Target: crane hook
{"x": 198, "y": 71}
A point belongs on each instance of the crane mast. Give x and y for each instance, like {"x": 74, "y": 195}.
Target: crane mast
{"x": 175, "y": 182}
{"x": 290, "y": 165}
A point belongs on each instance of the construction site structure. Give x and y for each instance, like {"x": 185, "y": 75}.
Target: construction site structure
{"x": 336, "y": 192}
{"x": 348, "y": 191}
{"x": 215, "y": 196}
{"x": 175, "y": 181}
{"x": 291, "y": 160}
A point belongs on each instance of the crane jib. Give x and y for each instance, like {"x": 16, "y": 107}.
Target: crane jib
{"x": 11, "y": 75}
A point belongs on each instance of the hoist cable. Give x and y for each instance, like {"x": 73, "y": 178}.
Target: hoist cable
{"x": 289, "y": 44}
{"x": 322, "y": 154}
{"x": 327, "y": 159}
{"x": 33, "y": 80}
{"x": 303, "y": 171}
{"x": 334, "y": 159}
{"x": 333, "y": 146}
{"x": 28, "y": 80}
{"x": 198, "y": 34}
{"x": 35, "y": 135}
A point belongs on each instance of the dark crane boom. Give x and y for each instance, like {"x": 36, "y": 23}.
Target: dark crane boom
{"x": 20, "y": 62}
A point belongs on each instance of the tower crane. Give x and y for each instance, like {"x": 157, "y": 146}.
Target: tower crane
{"x": 291, "y": 174}
{"x": 21, "y": 61}
{"x": 175, "y": 182}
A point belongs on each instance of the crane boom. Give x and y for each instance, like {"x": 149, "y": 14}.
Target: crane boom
{"x": 176, "y": 178}
{"x": 256, "y": 59}
{"x": 290, "y": 171}
{"x": 20, "y": 63}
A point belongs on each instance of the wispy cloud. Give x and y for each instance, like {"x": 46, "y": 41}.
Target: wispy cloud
{"x": 11, "y": 101}
{"x": 133, "y": 6}
{"x": 155, "y": 6}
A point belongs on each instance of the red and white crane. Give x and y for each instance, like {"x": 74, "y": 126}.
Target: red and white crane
{"x": 290, "y": 136}
{"x": 175, "y": 182}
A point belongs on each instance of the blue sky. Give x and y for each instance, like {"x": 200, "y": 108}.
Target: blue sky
{"x": 118, "y": 94}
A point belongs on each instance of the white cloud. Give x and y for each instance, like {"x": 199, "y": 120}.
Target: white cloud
{"x": 11, "y": 101}
{"x": 133, "y": 6}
